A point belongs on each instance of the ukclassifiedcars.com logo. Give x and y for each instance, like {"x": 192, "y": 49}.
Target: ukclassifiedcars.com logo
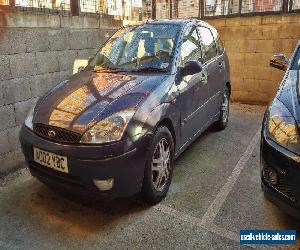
{"x": 268, "y": 236}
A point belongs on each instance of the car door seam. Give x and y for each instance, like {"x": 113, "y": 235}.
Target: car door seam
{"x": 199, "y": 108}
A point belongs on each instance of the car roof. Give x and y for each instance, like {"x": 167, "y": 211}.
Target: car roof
{"x": 181, "y": 22}
{"x": 169, "y": 21}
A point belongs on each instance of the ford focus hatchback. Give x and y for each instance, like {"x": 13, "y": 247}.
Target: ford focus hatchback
{"x": 115, "y": 128}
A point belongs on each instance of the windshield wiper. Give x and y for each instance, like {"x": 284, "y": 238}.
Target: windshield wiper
{"x": 152, "y": 69}
{"x": 110, "y": 69}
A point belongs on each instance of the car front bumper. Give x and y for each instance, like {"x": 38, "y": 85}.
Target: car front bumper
{"x": 286, "y": 192}
{"x": 124, "y": 161}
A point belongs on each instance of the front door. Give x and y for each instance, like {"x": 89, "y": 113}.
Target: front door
{"x": 193, "y": 89}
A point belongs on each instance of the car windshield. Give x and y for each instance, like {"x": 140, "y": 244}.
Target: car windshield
{"x": 138, "y": 48}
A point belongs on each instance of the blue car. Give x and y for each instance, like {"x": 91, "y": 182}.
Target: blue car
{"x": 115, "y": 128}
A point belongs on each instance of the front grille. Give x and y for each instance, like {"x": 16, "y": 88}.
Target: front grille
{"x": 56, "y": 134}
{"x": 282, "y": 185}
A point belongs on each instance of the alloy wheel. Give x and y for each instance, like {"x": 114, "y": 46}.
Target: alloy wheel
{"x": 225, "y": 108}
{"x": 161, "y": 165}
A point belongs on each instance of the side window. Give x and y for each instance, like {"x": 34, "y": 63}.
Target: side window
{"x": 191, "y": 47}
{"x": 219, "y": 44}
{"x": 220, "y": 47}
{"x": 208, "y": 44}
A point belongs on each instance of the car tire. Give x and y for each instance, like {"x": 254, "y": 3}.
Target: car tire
{"x": 224, "y": 111}
{"x": 159, "y": 166}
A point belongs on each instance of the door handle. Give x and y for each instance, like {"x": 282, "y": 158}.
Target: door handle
{"x": 220, "y": 65}
{"x": 204, "y": 78}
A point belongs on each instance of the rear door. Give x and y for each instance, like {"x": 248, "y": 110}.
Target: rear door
{"x": 193, "y": 90}
{"x": 214, "y": 65}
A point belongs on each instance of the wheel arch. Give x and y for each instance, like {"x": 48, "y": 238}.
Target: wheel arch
{"x": 168, "y": 124}
{"x": 165, "y": 114}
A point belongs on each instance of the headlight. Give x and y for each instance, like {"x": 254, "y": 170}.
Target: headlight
{"x": 29, "y": 117}
{"x": 282, "y": 127}
{"x": 109, "y": 129}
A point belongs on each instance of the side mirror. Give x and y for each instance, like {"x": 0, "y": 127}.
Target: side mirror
{"x": 279, "y": 61}
{"x": 191, "y": 68}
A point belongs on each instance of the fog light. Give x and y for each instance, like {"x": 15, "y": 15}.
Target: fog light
{"x": 104, "y": 185}
{"x": 273, "y": 177}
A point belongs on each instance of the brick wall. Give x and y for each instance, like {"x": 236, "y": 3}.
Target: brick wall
{"x": 37, "y": 52}
{"x": 188, "y": 8}
{"x": 250, "y": 42}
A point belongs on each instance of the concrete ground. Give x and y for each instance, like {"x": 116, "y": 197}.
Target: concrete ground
{"x": 215, "y": 192}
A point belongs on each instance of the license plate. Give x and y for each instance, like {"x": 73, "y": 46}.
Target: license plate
{"x": 50, "y": 160}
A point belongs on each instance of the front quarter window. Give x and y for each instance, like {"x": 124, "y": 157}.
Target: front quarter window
{"x": 143, "y": 47}
{"x": 296, "y": 60}
{"x": 190, "y": 48}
